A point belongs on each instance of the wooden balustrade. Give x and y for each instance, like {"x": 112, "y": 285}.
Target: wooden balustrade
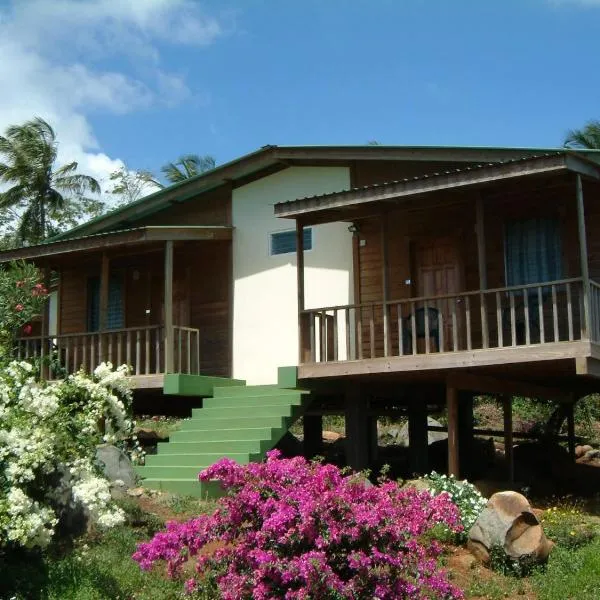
{"x": 142, "y": 348}
{"x": 483, "y": 319}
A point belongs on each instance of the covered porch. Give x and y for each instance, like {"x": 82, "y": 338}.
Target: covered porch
{"x": 155, "y": 298}
{"x": 474, "y": 281}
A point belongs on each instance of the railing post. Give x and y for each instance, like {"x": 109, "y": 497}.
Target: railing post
{"x": 583, "y": 258}
{"x": 168, "y": 303}
{"x": 385, "y": 283}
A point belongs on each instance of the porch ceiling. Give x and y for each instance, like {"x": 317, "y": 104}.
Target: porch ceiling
{"x": 116, "y": 239}
{"x": 344, "y": 205}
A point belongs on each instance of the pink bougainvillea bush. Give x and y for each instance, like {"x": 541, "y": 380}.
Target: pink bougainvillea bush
{"x": 297, "y": 530}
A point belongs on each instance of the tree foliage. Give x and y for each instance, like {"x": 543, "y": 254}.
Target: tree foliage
{"x": 587, "y": 137}
{"x": 187, "y": 166}
{"x": 40, "y": 198}
{"x": 132, "y": 185}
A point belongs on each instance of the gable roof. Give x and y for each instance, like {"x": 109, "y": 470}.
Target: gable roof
{"x": 478, "y": 175}
{"x": 270, "y": 157}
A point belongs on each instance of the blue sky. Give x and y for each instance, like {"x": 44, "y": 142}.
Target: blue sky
{"x": 141, "y": 85}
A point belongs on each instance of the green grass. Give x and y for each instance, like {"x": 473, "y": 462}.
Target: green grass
{"x": 570, "y": 574}
{"x": 97, "y": 567}
{"x": 163, "y": 426}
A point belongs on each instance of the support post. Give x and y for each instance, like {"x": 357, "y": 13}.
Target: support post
{"x": 571, "y": 429}
{"x": 104, "y": 286}
{"x": 418, "y": 438}
{"x": 169, "y": 335}
{"x": 357, "y": 429}
{"x": 385, "y": 283}
{"x": 373, "y": 439}
{"x": 481, "y": 261}
{"x": 45, "y": 343}
{"x": 453, "y": 445}
{"x": 508, "y": 437}
{"x": 300, "y": 289}
{"x": 465, "y": 433}
{"x": 583, "y": 258}
{"x": 312, "y": 426}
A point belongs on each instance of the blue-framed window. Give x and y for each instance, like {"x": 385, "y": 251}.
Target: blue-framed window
{"x": 533, "y": 251}
{"x": 284, "y": 242}
{"x": 115, "y": 319}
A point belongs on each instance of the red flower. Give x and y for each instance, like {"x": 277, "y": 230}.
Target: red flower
{"x": 19, "y": 307}
{"x": 27, "y": 329}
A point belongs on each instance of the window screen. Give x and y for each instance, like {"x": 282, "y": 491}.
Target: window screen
{"x": 114, "y": 318}
{"x": 284, "y": 242}
{"x": 533, "y": 251}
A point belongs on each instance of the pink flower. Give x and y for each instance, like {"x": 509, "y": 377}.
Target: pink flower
{"x": 19, "y": 307}
{"x": 27, "y": 329}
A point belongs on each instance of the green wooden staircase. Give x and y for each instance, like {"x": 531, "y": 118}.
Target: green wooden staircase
{"x": 239, "y": 422}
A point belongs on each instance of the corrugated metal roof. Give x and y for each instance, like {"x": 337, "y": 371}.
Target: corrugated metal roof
{"x": 383, "y": 184}
{"x": 272, "y": 154}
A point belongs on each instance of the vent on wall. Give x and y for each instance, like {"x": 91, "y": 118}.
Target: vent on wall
{"x": 284, "y": 242}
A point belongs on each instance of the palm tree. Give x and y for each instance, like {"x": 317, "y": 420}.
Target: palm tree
{"x": 187, "y": 166}
{"x": 40, "y": 194}
{"x": 587, "y": 137}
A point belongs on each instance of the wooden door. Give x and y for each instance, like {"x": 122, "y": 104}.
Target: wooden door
{"x": 439, "y": 272}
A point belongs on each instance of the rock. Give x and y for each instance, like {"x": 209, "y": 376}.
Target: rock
{"x": 135, "y": 492}
{"x": 115, "y": 465}
{"x": 394, "y": 432}
{"x": 433, "y": 436}
{"x": 581, "y": 450}
{"x": 508, "y": 523}
{"x": 419, "y": 484}
{"x": 331, "y": 436}
{"x": 592, "y": 454}
{"x": 147, "y": 436}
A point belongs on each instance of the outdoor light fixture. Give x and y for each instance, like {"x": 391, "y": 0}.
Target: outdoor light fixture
{"x": 353, "y": 228}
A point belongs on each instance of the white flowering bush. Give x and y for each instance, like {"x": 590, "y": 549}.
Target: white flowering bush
{"x": 463, "y": 494}
{"x": 49, "y": 432}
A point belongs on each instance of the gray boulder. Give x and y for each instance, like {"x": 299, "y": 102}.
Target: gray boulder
{"x": 115, "y": 465}
{"x": 509, "y": 526}
{"x": 432, "y": 436}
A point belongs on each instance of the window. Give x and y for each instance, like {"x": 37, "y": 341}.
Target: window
{"x": 533, "y": 251}
{"x": 114, "y": 318}
{"x": 284, "y": 242}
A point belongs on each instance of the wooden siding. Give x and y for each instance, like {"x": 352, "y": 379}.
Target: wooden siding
{"x": 453, "y": 215}
{"x": 209, "y": 208}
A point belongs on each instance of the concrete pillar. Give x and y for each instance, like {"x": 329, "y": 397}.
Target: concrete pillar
{"x": 313, "y": 435}
{"x": 418, "y": 438}
{"x": 357, "y": 429}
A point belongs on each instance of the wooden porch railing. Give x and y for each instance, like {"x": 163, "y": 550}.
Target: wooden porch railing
{"x": 495, "y": 318}
{"x": 142, "y": 348}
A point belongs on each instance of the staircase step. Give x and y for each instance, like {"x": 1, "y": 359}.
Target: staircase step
{"x": 194, "y": 459}
{"x": 186, "y": 472}
{"x": 202, "y": 433}
{"x": 252, "y": 401}
{"x": 198, "y": 447}
{"x": 252, "y": 390}
{"x": 239, "y": 422}
{"x": 222, "y": 412}
{"x": 211, "y": 447}
{"x": 186, "y": 487}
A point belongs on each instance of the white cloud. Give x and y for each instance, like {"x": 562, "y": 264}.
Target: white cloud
{"x": 58, "y": 61}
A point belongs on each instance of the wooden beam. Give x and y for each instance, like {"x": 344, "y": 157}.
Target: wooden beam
{"x": 104, "y": 289}
{"x": 583, "y": 257}
{"x": 300, "y": 290}
{"x": 508, "y": 437}
{"x": 453, "y": 444}
{"x": 587, "y": 366}
{"x": 571, "y": 429}
{"x": 385, "y": 284}
{"x": 312, "y": 426}
{"x": 480, "y": 233}
{"x": 169, "y": 336}
{"x": 494, "y": 385}
{"x": 442, "y": 361}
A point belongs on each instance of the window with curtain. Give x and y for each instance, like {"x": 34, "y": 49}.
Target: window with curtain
{"x": 115, "y": 318}
{"x": 533, "y": 251}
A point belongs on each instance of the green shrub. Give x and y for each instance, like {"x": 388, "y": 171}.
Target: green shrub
{"x": 567, "y": 527}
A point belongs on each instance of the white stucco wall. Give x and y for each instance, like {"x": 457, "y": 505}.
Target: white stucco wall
{"x": 265, "y": 317}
